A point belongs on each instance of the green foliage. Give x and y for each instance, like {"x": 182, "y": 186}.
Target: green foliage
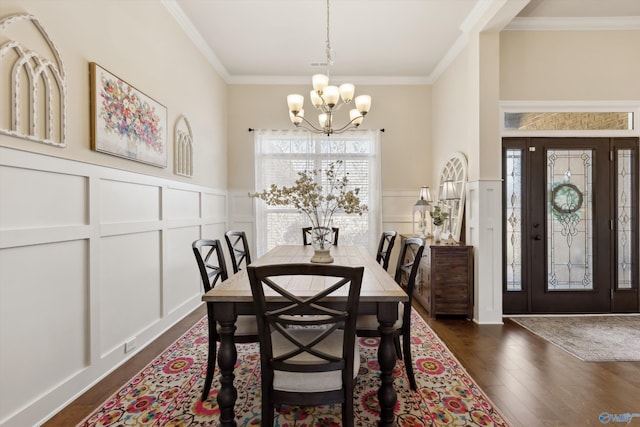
{"x": 310, "y": 198}
{"x": 438, "y": 216}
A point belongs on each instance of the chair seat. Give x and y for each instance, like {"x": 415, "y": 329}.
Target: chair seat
{"x": 245, "y": 325}
{"x": 312, "y": 381}
{"x": 369, "y": 322}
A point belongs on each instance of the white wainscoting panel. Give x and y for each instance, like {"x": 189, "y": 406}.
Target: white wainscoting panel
{"x": 129, "y": 286}
{"x": 90, "y": 258}
{"x": 484, "y": 233}
{"x": 182, "y": 282}
{"x": 214, "y": 205}
{"x": 33, "y": 198}
{"x": 142, "y": 202}
{"x": 182, "y": 204}
{"x": 43, "y": 319}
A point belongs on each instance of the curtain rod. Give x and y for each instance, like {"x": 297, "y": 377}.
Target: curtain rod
{"x": 253, "y": 129}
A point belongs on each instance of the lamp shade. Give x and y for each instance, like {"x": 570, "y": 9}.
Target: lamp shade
{"x": 363, "y": 104}
{"x": 449, "y": 191}
{"x": 355, "y": 116}
{"x": 295, "y": 102}
{"x": 346, "y": 92}
{"x": 297, "y": 119}
{"x": 322, "y": 119}
{"x": 316, "y": 100}
{"x": 331, "y": 95}
{"x": 319, "y": 82}
{"x": 425, "y": 194}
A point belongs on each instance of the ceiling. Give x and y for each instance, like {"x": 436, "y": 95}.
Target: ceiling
{"x": 374, "y": 41}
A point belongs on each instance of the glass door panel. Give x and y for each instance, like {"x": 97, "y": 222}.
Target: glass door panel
{"x": 569, "y": 220}
{"x": 570, "y": 225}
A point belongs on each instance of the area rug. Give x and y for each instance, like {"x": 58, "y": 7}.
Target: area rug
{"x": 167, "y": 391}
{"x": 589, "y": 338}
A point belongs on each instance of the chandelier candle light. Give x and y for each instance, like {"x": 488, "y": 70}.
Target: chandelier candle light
{"x": 328, "y": 99}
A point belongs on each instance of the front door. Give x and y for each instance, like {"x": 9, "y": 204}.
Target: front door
{"x": 570, "y": 225}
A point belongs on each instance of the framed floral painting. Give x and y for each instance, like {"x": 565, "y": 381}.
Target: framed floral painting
{"x": 124, "y": 121}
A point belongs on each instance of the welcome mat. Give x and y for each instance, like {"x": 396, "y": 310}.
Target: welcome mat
{"x": 167, "y": 391}
{"x": 589, "y": 338}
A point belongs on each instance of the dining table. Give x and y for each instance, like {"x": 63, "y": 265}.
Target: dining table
{"x": 379, "y": 295}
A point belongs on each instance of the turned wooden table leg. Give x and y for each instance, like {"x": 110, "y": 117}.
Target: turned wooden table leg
{"x": 227, "y": 357}
{"x": 387, "y": 396}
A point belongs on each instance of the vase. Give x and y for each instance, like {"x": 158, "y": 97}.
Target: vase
{"x": 437, "y": 233}
{"x": 321, "y": 242}
{"x": 132, "y": 148}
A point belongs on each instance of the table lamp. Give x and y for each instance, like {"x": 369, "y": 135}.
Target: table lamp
{"x": 449, "y": 194}
{"x": 421, "y": 208}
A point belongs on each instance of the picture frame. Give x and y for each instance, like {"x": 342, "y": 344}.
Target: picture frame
{"x": 124, "y": 121}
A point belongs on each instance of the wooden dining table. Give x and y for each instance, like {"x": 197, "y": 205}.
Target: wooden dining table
{"x": 379, "y": 295}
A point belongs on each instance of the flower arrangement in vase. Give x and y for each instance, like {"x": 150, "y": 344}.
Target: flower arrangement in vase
{"x": 438, "y": 217}
{"x": 319, "y": 203}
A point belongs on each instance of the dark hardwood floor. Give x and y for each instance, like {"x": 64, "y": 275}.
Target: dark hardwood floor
{"x": 532, "y": 382}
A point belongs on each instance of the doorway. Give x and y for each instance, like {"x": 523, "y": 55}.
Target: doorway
{"x": 570, "y": 225}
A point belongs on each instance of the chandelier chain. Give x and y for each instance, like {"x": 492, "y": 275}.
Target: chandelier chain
{"x": 327, "y": 99}
{"x": 329, "y": 52}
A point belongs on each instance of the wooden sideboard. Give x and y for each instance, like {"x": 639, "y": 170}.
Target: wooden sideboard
{"x": 445, "y": 279}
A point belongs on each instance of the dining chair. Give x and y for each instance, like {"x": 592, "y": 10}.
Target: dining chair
{"x": 238, "y": 249}
{"x": 307, "y": 360}
{"x": 213, "y": 269}
{"x": 387, "y": 240}
{"x": 406, "y": 272}
{"x": 306, "y": 235}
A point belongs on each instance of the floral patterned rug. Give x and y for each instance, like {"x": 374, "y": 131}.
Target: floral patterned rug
{"x": 167, "y": 391}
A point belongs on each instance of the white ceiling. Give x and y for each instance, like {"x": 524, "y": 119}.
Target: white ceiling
{"x": 375, "y": 41}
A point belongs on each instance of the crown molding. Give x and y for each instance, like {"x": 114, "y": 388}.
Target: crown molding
{"x": 194, "y": 35}
{"x": 612, "y": 23}
{"x": 306, "y": 80}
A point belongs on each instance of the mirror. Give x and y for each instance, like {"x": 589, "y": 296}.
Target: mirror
{"x": 452, "y": 184}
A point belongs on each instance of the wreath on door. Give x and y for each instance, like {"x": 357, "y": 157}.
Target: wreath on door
{"x": 566, "y": 198}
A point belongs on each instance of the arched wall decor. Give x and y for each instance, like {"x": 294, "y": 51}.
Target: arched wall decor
{"x": 454, "y": 170}
{"x": 38, "y": 84}
{"x": 183, "y": 147}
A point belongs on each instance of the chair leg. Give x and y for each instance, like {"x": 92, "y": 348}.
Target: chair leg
{"x": 267, "y": 407}
{"x": 347, "y": 409}
{"x": 211, "y": 361}
{"x": 408, "y": 362}
{"x": 396, "y": 342}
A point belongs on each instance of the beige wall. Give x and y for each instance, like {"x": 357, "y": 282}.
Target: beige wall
{"x": 455, "y": 113}
{"x": 570, "y": 65}
{"x": 88, "y": 216}
{"x": 144, "y": 46}
{"x": 403, "y": 111}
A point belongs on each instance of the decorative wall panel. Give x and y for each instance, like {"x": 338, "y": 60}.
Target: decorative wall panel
{"x": 129, "y": 286}
{"x": 182, "y": 281}
{"x": 36, "y": 76}
{"x": 32, "y": 198}
{"x": 43, "y": 319}
{"x": 182, "y": 204}
{"x": 183, "y": 148}
{"x": 116, "y": 270}
{"x": 142, "y": 202}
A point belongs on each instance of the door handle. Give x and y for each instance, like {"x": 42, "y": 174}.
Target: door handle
{"x": 537, "y": 237}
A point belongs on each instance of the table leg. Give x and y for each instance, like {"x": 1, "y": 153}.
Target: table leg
{"x": 227, "y": 357}
{"x": 387, "y": 396}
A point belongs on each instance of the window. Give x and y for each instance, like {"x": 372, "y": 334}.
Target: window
{"x": 280, "y": 155}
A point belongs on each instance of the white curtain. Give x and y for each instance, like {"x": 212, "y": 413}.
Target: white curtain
{"x": 281, "y": 154}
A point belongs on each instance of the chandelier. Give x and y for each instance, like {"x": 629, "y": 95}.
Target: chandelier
{"x": 328, "y": 99}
